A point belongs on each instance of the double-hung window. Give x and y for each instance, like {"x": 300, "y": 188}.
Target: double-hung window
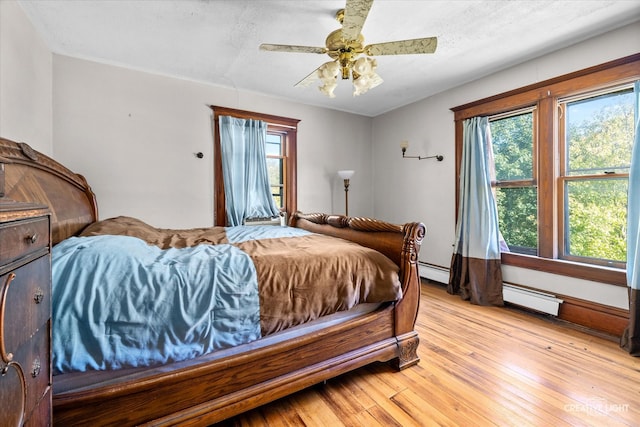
{"x": 596, "y": 135}
{"x": 515, "y": 184}
{"x": 561, "y": 156}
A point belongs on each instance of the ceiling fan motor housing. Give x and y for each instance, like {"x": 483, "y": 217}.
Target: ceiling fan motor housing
{"x": 345, "y": 51}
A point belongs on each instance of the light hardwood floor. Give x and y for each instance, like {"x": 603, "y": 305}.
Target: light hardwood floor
{"x": 480, "y": 366}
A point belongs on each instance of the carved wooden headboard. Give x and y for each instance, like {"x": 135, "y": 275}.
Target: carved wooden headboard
{"x": 31, "y": 176}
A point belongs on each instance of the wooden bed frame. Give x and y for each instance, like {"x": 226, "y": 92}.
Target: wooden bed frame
{"x": 204, "y": 392}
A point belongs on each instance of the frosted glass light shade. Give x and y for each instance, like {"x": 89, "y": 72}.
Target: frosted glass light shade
{"x": 346, "y": 174}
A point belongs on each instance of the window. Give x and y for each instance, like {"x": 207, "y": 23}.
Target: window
{"x": 515, "y": 183}
{"x": 276, "y": 161}
{"x": 596, "y": 138}
{"x": 281, "y": 160}
{"x": 562, "y": 151}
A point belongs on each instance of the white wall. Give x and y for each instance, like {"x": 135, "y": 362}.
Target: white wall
{"x": 25, "y": 81}
{"x": 426, "y": 188}
{"x": 134, "y": 136}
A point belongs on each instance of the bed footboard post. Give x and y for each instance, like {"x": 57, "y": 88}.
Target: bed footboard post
{"x": 406, "y": 311}
{"x": 408, "y": 345}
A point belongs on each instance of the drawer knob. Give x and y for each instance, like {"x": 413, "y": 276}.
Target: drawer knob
{"x": 32, "y": 239}
{"x": 38, "y": 296}
{"x": 35, "y": 368}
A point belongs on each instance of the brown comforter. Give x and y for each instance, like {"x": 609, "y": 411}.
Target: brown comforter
{"x": 299, "y": 278}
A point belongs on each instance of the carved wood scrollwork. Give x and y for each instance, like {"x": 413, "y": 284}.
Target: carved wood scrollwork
{"x": 354, "y": 223}
{"x": 28, "y": 151}
{"x": 416, "y": 233}
{"x": 408, "y": 347}
{"x": 338, "y": 221}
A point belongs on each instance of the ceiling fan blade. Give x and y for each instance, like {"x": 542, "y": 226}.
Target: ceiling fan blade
{"x": 309, "y": 79}
{"x": 291, "y": 48}
{"x": 355, "y": 13}
{"x": 403, "y": 47}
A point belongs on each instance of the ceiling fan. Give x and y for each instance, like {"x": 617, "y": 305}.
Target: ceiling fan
{"x": 350, "y": 57}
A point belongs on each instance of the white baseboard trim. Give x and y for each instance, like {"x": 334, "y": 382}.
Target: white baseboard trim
{"x": 433, "y": 272}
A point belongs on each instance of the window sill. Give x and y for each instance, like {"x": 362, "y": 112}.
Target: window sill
{"x": 611, "y": 276}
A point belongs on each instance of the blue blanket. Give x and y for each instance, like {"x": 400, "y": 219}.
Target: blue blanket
{"x": 150, "y": 305}
{"x": 243, "y": 233}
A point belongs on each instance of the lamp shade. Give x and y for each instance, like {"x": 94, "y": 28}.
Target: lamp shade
{"x": 346, "y": 174}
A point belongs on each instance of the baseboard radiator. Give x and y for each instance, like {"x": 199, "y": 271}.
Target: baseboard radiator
{"x": 535, "y": 300}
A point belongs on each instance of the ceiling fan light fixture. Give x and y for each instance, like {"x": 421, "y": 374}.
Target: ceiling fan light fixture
{"x": 360, "y": 85}
{"x": 328, "y": 75}
{"x": 329, "y": 70}
{"x": 361, "y": 71}
{"x": 328, "y": 86}
{"x": 364, "y": 75}
{"x": 364, "y": 65}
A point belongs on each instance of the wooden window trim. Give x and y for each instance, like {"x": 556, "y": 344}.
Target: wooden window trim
{"x": 544, "y": 96}
{"x": 283, "y": 124}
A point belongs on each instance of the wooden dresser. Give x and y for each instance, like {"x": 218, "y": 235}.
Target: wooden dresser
{"x": 25, "y": 314}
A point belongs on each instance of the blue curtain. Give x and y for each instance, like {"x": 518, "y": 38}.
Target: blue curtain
{"x": 244, "y": 170}
{"x": 631, "y": 338}
{"x": 475, "y": 266}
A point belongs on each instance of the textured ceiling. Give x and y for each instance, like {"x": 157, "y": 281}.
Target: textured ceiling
{"x": 216, "y": 41}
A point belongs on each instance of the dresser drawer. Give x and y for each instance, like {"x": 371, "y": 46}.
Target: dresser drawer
{"x": 21, "y": 238}
{"x": 33, "y": 356}
{"x": 41, "y": 414}
{"x": 27, "y": 305}
{"x": 25, "y": 314}
{"x": 12, "y": 395}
